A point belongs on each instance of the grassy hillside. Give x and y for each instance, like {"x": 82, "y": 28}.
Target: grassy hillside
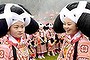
{"x": 49, "y": 57}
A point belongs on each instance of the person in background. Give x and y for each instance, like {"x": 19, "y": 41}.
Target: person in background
{"x": 43, "y": 42}
{"x": 74, "y": 18}
{"x": 15, "y": 21}
{"x": 51, "y": 40}
{"x": 57, "y": 43}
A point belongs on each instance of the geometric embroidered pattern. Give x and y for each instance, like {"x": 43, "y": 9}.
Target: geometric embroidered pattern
{"x": 70, "y": 52}
{"x": 84, "y": 48}
{"x": 83, "y": 58}
{"x": 1, "y": 53}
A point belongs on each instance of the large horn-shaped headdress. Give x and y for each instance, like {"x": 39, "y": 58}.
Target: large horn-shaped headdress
{"x": 79, "y": 12}
{"x": 9, "y": 13}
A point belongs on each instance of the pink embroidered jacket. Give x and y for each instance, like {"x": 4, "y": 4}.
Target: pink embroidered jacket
{"x": 83, "y": 49}
{"x": 6, "y": 50}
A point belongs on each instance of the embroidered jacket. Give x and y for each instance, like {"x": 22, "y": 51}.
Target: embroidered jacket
{"x": 68, "y": 51}
{"x": 13, "y": 49}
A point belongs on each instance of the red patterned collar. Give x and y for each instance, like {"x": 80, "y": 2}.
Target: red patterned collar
{"x": 75, "y": 40}
{"x": 11, "y": 43}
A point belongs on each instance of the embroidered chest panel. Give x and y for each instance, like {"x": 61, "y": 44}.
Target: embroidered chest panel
{"x": 68, "y": 50}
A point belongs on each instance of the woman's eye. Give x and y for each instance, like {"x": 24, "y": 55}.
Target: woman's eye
{"x": 16, "y": 27}
{"x": 22, "y": 26}
{"x": 69, "y": 24}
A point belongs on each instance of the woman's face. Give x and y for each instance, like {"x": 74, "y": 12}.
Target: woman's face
{"x": 17, "y": 29}
{"x": 70, "y": 26}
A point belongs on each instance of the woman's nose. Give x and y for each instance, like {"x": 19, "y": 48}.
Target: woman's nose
{"x": 20, "y": 29}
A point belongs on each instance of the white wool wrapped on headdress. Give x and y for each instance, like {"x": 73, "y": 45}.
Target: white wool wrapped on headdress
{"x": 10, "y": 13}
{"x": 75, "y": 12}
{"x": 11, "y": 16}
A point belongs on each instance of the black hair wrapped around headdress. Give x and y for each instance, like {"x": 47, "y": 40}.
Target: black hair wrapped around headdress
{"x": 84, "y": 24}
{"x": 58, "y": 25}
{"x": 32, "y": 27}
{"x": 79, "y": 12}
{"x": 10, "y": 12}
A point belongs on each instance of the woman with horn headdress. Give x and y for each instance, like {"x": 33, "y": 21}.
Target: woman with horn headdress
{"x": 75, "y": 19}
{"x": 15, "y": 20}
